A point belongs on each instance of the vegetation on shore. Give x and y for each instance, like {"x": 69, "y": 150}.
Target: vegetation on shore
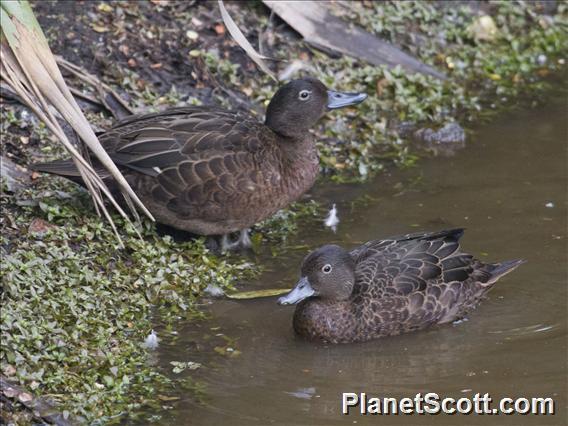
{"x": 76, "y": 309}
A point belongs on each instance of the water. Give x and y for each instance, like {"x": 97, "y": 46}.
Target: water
{"x": 514, "y": 344}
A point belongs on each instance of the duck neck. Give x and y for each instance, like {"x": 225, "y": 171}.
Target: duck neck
{"x": 300, "y": 162}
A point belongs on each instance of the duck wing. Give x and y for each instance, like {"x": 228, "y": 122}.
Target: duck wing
{"x": 409, "y": 263}
{"x": 152, "y": 143}
{"x": 416, "y": 280}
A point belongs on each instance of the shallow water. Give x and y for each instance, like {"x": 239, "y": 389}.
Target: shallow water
{"x": 514, "y": 344}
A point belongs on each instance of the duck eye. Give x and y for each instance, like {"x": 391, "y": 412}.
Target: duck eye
{"x": 326, "y": 268}
{"x": 304, "y": 95}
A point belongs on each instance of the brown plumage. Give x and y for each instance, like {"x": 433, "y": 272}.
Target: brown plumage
{"x": 210, "y": 171}
{"x": 387, "y": 287}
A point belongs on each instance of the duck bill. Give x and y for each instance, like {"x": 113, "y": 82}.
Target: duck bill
{"x": 302, "y": 291}
{"x": 337, "y": 100}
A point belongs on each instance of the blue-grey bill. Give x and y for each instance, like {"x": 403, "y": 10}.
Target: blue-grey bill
{"x": 341, "y": 99}
{"x": 302, "y": 291}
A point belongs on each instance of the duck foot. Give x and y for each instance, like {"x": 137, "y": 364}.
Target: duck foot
{"x": 244, "y": 239}
{"x": 244, "y": 242}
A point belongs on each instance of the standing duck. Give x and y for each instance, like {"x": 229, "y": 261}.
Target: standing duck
{"x": 388, "y": 287}
{"x": 209, "y": 171}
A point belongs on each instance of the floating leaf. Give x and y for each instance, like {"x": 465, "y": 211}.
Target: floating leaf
{"x": 180, "y": 366}
{"x": 255, "y": 294}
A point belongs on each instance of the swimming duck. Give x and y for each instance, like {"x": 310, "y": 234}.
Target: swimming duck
{"x": 387, "y": 287}
{"x": 210, "y": 171}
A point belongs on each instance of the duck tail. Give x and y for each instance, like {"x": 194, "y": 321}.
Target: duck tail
{"x": 65, "y": 168}
{"x": 498, "y": 270}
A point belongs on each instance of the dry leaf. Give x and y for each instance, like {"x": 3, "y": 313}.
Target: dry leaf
{"x": 124, "y": 49}
{"x": 100, "y": 28}
{"x": 39, "y": 226}
{"x": 484, "y": 29}
{"x": 219, "y": 29}
{"x": 258, "y": 293}
{"x": 197, "y": 22}
{"x": 192, "y": 35}
{"x": 381, "y": 85}
{"x": 104, "y": 7}
{"x": 25, "y": 397}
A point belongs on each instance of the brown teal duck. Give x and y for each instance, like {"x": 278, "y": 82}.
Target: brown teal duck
{"x": 387, "y": 287}
{"x": 209, "y": 171}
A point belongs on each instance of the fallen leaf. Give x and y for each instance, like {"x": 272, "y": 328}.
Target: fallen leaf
{"x": 124, "y": 49}
{"x": 543, "y": 72}
{"x": 484, "y": 29}
{"x": 25, "y": 397}
{"x": 219, "y": 29}
{"x": 9, "y": 370}
{"x": 258, "y": 293}
{"x": 132, "y": 63}
{"x": 192, "y": 35}
{"x": 156, "y": 66}
{"x": 381, "y": 85}
{"x": 104, "y": 7}
{"x": 197, "y": 22}
{"x": 9, "y": 392}
{"x": 39, "y": 226}
{"x": 100, "y": 28}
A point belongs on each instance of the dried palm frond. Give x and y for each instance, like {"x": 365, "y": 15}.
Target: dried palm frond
{"x": 242, "y": 41}
{"x": 30, "y": 69}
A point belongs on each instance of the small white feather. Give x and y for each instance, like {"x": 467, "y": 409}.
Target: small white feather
{"x": 332, "y": 219}
{"x": 151, "y": 341}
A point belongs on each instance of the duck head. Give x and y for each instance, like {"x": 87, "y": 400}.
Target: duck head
{"x": 327, "y": 273}
{"x": 297, "y": 105}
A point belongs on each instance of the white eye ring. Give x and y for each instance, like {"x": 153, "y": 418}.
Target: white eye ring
{"x": 326, "y": 268}
{"x": 304, "y": 95}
